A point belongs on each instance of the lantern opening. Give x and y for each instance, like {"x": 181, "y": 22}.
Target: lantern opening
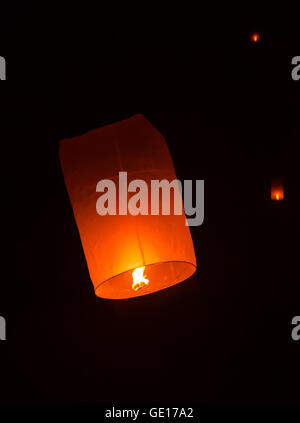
{"x": 160, "y": 276}
{"x": 138, "y": 279}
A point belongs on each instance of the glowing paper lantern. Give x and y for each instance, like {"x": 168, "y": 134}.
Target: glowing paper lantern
{"x": 127, "y": 255}
{"x": 277, "y": 190}
{"x": 254, "y": 37}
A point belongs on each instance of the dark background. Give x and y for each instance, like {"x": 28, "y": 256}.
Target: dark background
{"x": 224, "y": 335}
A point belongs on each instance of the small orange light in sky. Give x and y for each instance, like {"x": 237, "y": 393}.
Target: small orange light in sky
{"x": 277, "y": 190}
{"x": 254, "y": 37}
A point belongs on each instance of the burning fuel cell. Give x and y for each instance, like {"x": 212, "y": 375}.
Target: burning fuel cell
{"x": 139, "y": 279}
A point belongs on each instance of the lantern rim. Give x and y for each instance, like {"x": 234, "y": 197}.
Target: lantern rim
{"x": 183, "y": 270}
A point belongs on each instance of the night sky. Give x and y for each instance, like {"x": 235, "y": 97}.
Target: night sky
{"x": 224, "y": 335}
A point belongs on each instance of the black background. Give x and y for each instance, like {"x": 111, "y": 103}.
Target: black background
{"x": 224, "y": 335}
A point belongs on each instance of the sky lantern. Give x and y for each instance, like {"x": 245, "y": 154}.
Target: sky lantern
{"x": 277, "y": 190}
{"x": 254, "y": 37}
{"x": 130, "y": 249}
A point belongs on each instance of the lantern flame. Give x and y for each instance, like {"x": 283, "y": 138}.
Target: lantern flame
{"x": 139, "y": 279}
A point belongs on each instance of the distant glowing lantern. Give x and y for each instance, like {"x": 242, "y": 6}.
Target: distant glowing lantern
{"x": 127, "y": 255}
{"x": 254, "y": 37}
{"x": 277, "y": 190}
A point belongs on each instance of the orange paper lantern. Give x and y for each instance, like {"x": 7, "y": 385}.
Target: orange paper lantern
{"x": 277, "y": 190}
{"x": 127, "y": 255}
{"x": 254, "y": 37}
